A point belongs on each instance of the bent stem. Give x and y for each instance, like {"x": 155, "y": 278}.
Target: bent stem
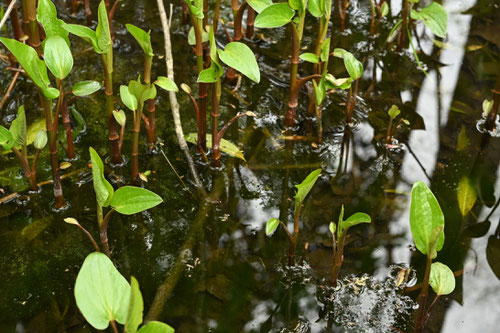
{"x": 28, "y": 173}
{"x": 293, "y": 100}
{"x": 218, "y": 138}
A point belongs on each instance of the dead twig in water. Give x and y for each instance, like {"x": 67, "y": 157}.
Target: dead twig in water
{"x": 9, "y": 89}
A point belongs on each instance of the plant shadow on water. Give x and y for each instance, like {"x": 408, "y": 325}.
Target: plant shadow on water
{"x": 206, "y": 264}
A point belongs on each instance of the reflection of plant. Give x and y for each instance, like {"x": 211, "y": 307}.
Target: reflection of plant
{"x": 105, "y": 297}
{"x": 433, "y": 16}
{"x": 16, "y": 139}
{"x": 303, "y": 190}
{"x": 427, "y": 228}
{"x": 393, "y": 114}
{"x": 341, "y": 229}
{"x": 126, "y": 200}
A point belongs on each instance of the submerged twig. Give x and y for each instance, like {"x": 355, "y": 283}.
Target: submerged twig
{"x": 172, "y": 97}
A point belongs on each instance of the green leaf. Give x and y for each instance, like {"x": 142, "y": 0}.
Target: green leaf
{"x": 463, "y": 139}
{"x": 384, "y": 10}
{"x": 298, "y": 5}
{"x": 274, "y": 16}
{"x": 441, "y": 279}
{"x": 259, "y": 5}
{"x": 128, "y": 98}
{"x": 342, "y": 83}
{"x": 103, "y": 189}
{"x": 18, "y": 128}
{"x": 271, "y": 225}
{"x": 196, "y": 8}
{"x": 192, "y": 37}
{"x": 156, "y": 327}
{"x": 51, "y": 93}
{"x": 47, "y": 16}
{"x": 466, "y": 195}
{"x": 120, "y": 117}
{"x": 425, "y": 216}
{"x": 102, "y": 293}
{"x": 167, "y": 84}
{"x": 148, "y": 93}
{"x": 325, "y": 50}
{"x": 487, "y": 106}
{"x": 130, "y": 200}
{"x": 208, "y": 75}
{"x": 6, "y": 139}
{"x": 58, "y": 57}
{"x": 319, "y": 91}
{"x": 314, "y": 7}
{"x": 353, "y": 220}
{"x": 40, "y": 140}
{"x": 353, "y": 66}
{"x": 332, "y": 227}
{"x": 85, "y": 88}
{"x": 434, "y": 17}
{"x": 225, "y": 145}
{"x": 309, "y": 57}
{"x": 305, "y": 187}
{"x": 86, "y": 33}
{"x": 393, "y": 112}
{"x": 135, "y": 307}
{"x": 142, "y": 37}
{"x": 28, "y": 58}
{"x": 102, "y": 31}
{"x": 240, "y": 57}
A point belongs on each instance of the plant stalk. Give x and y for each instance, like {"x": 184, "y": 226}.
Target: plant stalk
{"x": 70, "y": 151}
{"x": 151, "y": 128}
{"x": 14, "y": 19}
{"x": 422, "y": 298}
{"x": 135, "y": 142}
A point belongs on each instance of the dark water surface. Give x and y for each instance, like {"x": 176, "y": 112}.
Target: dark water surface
{"x": 221, "y": 271}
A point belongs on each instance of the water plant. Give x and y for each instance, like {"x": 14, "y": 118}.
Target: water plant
{"x": 105, "y": 297}
{"x": 427, "y": 228}
{"x": 102, "y": 44}
{"x": 303, "y": 190}
{"x": 393, "y": 113}
{"x": 434, "y": 17}
{"x": 277, "y": 15}
{"x": 16, "y": 139}
{"x": 339, "y": 234}
{"x": 127, "y": 200}
{"x": 238, "y": 56}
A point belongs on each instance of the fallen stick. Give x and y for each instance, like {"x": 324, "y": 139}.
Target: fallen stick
{"x": 9, "y": 89}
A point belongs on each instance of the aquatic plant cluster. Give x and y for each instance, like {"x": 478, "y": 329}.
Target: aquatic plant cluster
{"x": 227, "y": 43}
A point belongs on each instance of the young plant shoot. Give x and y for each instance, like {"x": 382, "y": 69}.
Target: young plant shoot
{"x": 427, "y": 228}
{"x": 102, "y": 44}
{"x": 127, "y": 200}
{"x": 393, "y": 113}
{"x": 16, "y": 139}
{"x": 340, "y": 229}
{"x": 104, "y": 297}
{"x": 235, "y": 55}
{"x": 303, "y": 190}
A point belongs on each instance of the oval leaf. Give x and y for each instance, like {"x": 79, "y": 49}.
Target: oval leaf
{"x": 142, "y": 37}
{"x": 156, "y": 327}
{"x": 85, "y": 88}
{"x": 271, "y": 225}
{"x": 167, "y": 84}
{"x": 6, "y": 139}
{"x": 18, "y": 128}
{"x": 274, "y": 16}
{"x": 425, "y": 216}
{"x": 259, "y": 5}
{"x": 441, "y": 279}
{"x": 127, "y": 98}
{"x": 102, "y": 32}
{"x": 84, "y": 32}
{"x": 120, "y": 117}
{"x": 309, "y": 57}
{"x": 434, "y": 17}
{"x": 101, "y": 292}
{"x": 40, "y": 140}
{"x": 354, "y": 66}
{"x": 58, "y": 57}
{"x": 130, "y": 200}
{"x": 240, "y": 57}
{"x": 466, "y": 196}
{"x": 103, "y": 189}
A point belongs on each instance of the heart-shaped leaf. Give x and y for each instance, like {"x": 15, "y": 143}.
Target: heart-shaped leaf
{"x": 102, "y": 293}
{"x": 128, "y": 98}
{"x": 120, "y": 117}
{"x": 259, "y": 5}
{"x": 130, "y": 200}
{"x": 274, "y": 16}
{"x": 240, "y": 57}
